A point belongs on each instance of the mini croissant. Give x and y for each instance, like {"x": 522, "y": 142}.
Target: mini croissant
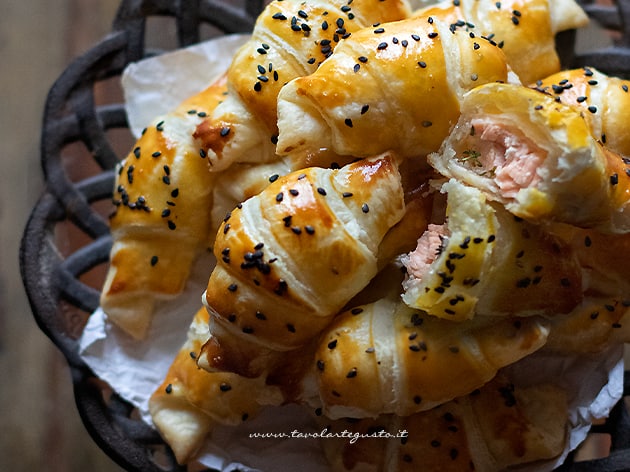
{"x": 290, "y": 39}
{"x": 538, "y": 158}
{"x": 524, "y": 29}
{"x": 378, "y": 91}
{"x": 498, "y": 426}
{"x": 387, "y": 358}
{"x": 485, "y": 261}
{"x": 292, "y": 256}
{"x": 190, "y": 401}
{"x": 604, "y": 100}
{"x": 162, "y": 221}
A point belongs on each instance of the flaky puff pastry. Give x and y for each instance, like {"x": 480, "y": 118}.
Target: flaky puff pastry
{"x": 483, "y": 260}
{"x": 604, "y": 99}
{"x": 290, "y": 39}
{"x": 190, "y": 401}
{"x": 292, "y": 256}
{"x": 524, "y": 29}
{"x": 499, "y": 426}
{"x": 385, "y": 357}
{"x": 538, "y": 158}
{"x": 162, "y": 221}
{"x": 394, "y": 86}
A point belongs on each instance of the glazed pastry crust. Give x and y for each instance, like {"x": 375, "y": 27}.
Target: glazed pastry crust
{"x": 538, "y": 158}
{"x": 162, "y": 221}
{"x": 525, "y": 29}
{"x": 489, "y": 262}
{"x": 190, "y": 401}
{"x": 387, "y": 358}
{"x": 292, "y": 256}
{"x": 377, "y": 91}
{"x": 290, "y": 39}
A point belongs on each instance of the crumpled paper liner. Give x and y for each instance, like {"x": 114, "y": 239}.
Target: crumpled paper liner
{"x": 135, "y": 369}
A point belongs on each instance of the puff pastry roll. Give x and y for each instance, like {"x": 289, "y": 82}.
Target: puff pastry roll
{"x": 524, "y": 29}
{"x": 292, "y": 256}
{"x": 604, "y": 100}
{"x": 162, "y": 221}
{"x": 499, "y": 426}
{"x": 538, "y": 158}
{"x": 485, "y": 261}
{"x": 190, "y": 401}
{"x": 290, "y": 39}
{"x": 379, "y": 91}
{"x": 388, "y": 358}
{"x": 596, "y": 324}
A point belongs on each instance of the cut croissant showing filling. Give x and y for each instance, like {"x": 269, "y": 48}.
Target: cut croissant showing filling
{"x": 483, "y": 260}
{"x": 537, "y": 157}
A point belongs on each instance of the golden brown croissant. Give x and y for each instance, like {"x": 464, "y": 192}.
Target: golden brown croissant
{"x": 190, "y": 401}
{"x": 379, "y": 91}
{"x": 290, "y": 39}
{"x": 163, "y": 197}
{"x": 388, "y": 358}
{"x": 500, "y": 425}
{"x": 538, "y": 158}
{"x": 485, "y": 261}
{"x": 595, "y": 325}
{"x": 292, "y": 256}
{"x": 524, "y": 29}
{"x": 603, "y": 98}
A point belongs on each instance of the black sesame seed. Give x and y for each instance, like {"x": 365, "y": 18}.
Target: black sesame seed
{"x": 156, "y": 154}
{"x": 169, "y": 389}
{"x": 365, "y": 208}
{"x": 352, "y": 373}
{"x": 154, "y": 260}
{"x": 224, "y": 387}
{"x": 136, "y": 152}
{"x": 232, "y": 287}
{"x": 171, "y": 225}
{"x": 332, "y": 344}
{"x": 279, "y": 197}
{"x": 364, "y": 109}
{"x": 381, "y": 46}
{"x": 614, "y": 179}
{"x": 422, "y": 64}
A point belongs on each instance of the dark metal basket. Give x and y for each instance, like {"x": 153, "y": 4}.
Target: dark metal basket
{"x": 62, "y": 280}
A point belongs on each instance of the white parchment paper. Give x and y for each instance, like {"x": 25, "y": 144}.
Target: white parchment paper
{"x": 135, "y": 369}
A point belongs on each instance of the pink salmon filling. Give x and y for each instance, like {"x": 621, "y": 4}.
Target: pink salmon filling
{"x": 511, "y": 157}
{"x": 426, "y": 251}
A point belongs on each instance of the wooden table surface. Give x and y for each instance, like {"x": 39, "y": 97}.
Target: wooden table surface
{"x": 41, "y": 427}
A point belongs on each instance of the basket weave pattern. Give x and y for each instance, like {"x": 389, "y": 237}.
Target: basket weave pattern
{"x": 60, "y": 298}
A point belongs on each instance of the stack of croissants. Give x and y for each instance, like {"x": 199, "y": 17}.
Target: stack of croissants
{"x": 402, "y": 203}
